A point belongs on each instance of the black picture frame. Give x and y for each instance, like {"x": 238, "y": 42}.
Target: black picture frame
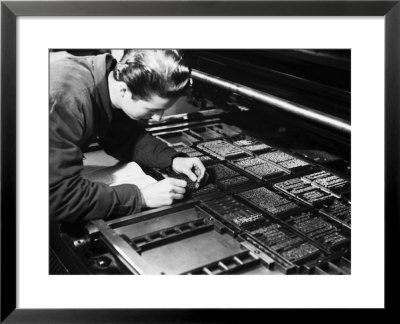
{"x": 11, "y": 10}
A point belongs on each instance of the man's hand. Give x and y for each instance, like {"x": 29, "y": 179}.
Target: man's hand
{"x": 163, "y": 192}
{"x": 192, "y": 167}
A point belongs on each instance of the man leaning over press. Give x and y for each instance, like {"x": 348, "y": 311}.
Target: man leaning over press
{"x": 98, "y": 98}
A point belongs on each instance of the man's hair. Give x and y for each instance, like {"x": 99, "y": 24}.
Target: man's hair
{"x": 153, "y": 72}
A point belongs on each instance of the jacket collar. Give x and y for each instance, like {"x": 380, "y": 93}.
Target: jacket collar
{"x": 102, "y": 65}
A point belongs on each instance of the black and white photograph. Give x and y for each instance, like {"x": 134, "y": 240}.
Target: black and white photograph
{"x": 200, "y": 161}
{"x": 146, "y": 141}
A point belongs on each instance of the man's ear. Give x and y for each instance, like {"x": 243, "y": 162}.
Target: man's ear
{"x": 122, "y": 88}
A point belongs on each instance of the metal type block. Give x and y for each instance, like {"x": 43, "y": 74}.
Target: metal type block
{"x": 300, "y": 252}
{"x": 222, "y": 149}
{"x": 338, "y": 210}
{"x": 304, "y": 191}
{"x": 277, "y": 156}
{"x": 329, "y": 181}
{"x": 233, "y": 182}
{"x": 269, "y": 201}
{"x": 258, "y": 147}
{"x": 219, "y": 171}
{"x": 294, "y": 164}
{"x": 264, "y": 171}
{"x": 247, "y": 162}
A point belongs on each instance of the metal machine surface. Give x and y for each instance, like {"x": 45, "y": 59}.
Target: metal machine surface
{"x": 277, "y": 200}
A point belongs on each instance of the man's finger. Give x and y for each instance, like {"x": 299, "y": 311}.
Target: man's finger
{"x": 200, "y": 170}
{"x": 177, "y": 196}
{"x": 178, "y": 182}
{"x": 179, "y": 190}
{"x": 190, "y": 174}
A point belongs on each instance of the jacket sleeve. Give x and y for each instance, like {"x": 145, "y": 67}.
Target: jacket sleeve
{"x": 128, "y": 141}
{"x": 73, "y": 198}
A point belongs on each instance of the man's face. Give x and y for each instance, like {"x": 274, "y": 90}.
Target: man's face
{"x": 152, "y": 108}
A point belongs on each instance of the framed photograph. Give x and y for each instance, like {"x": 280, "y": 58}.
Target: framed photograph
{"x": 228, "y": 43}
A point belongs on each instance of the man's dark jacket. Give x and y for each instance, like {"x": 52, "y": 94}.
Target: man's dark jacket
{"x": 81, "y": 112}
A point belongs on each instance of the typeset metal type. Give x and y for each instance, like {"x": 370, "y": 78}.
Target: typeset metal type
{"x": 262, "y": 210}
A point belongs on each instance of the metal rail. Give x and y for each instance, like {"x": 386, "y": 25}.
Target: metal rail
{"x": 280, "y": 103}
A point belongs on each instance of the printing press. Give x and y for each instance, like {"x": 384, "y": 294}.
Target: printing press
{"x": 272, "y": 128}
